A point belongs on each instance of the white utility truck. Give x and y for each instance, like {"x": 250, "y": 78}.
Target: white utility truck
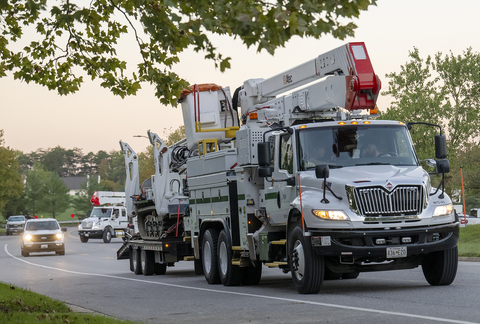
{"x": 108, "y": 217}
{"x": 308, "y": 182}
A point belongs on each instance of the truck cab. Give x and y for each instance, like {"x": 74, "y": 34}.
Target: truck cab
{"x": 107, "y": 219}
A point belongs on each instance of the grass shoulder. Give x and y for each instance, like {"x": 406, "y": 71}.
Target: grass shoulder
{"x": 23, "y": 306}
{"x": 469, "y": 243}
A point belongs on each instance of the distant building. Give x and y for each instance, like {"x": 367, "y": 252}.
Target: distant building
{"x": 74, "y": 184}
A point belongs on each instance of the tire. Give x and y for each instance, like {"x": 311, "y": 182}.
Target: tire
{"x": 209, "y": 256}
{"x": 25, "y": 254}
{"x": 83, "y": 239}
{"x": 230, "y": 275}
{"x": 160, "y": 268}
{"x": 306, "y": 266}
{"x": 136, "y": 260}
{"x": 61, "y": 252}
{"x": 147, "y": 262}
{"x": 132, "y": 268}
{"x": 107, "y": 235}
{"x": 252, "y": 274}
{"x": 440, "y": 268}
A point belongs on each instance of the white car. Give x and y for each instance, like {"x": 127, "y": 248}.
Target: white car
{"x": 15, "y": 224}
{"x": 43, "y": 235}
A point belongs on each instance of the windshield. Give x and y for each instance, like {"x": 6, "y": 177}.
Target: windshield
{"x": 16, "y": 218}
{"x": 47, "y": 225}
{"x": 101, "y": 212}
{"x": 355, "y": 145}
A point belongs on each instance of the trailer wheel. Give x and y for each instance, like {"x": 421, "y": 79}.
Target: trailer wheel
{"x": 307, "y": 267}
{"x": 147, "y": 262}
{"x": 160, "y": 268}
{"x": 83, "y": 239}
{"x": 252, "y": 274}
{"x": 136, "y": 260}
{"x": 209, "y": 256}
{"x": 130, "y": 257}
{"x": 230, "y": 275}
{"x": 107, "y": 235}
{"x": 440, "y": 268}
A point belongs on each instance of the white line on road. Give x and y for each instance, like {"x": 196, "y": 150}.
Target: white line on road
{"x": 369, "y": 310}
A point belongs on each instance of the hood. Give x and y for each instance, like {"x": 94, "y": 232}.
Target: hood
{"x": 388, "y": 176}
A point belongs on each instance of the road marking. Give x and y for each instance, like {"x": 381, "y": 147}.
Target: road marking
{"x": 291, "y": 300}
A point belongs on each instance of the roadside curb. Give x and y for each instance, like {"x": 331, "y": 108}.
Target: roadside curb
{"x": 81, "y": 310}
{"x": 469, "y": 259}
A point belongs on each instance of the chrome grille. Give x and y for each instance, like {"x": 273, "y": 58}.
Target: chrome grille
{"x": 44, "y": 238}
{"x": 87, "y": 224}
{"x": 378, "y": 201}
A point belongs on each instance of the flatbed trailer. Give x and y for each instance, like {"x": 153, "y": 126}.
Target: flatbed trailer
{"x": 149, "y": 257}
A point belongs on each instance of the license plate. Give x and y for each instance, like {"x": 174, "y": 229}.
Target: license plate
{"x": 397, "y": 252}
{"x": 44, "y": 246}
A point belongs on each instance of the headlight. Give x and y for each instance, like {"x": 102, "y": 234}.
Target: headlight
{"x": 79, "y": 226}
{"x": 330, "y": 214}
{"x": 59, "y": 236}
{"x": 27, "y": 237}
{"x": 443, "y": 210}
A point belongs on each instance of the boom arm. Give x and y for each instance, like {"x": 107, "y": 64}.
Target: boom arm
{"x": 350, "y": 60}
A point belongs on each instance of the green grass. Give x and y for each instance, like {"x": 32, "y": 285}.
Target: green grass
{"x": 469, "y": 244}
{"x": 23, "y": 306}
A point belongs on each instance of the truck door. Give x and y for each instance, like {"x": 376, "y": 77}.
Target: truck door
{"x": 281, "y": 193}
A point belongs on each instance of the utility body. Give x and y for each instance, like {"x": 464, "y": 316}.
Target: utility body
{"x": 308, "y": 182}
{"x": 108, "y": 217}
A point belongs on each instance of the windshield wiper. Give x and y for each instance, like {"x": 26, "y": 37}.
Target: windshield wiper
{"x": 373, "y": 163}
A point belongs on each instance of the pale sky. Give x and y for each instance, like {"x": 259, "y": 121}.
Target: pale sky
{"x": 94, "y": 119}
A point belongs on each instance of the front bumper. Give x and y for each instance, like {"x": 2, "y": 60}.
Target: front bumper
{"x": 356, "y": 245}
{"x": 43, "y": 247}
{"x": 16, "y": 230}
{"x": 91, "y": 233}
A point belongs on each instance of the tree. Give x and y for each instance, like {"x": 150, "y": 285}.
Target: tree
{"x": 416, "y": 98}
{"x": 55, "y": 197}
{"x": 10, "y": 181}
{"x": 445, "y": 91}
{"x": 71, "y": 38}
{"x": 34, "y": 187}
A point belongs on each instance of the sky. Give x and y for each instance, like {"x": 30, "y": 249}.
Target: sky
{"x": 93, "y": 119}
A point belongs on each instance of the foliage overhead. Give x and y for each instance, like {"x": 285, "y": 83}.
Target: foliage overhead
{"x": 59, "y": 39}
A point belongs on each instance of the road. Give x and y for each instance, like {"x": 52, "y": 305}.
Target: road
{"x": 89, "y": 276}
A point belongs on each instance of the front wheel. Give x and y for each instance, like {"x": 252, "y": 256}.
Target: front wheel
{"x": 230, "y": 275}
{"x": 440, "y": 268}
{"x": 107, "y": 235}
{"x": 209, "y": 256}
{"x": 83, "y": 239}
{"x": 306, "y": 266}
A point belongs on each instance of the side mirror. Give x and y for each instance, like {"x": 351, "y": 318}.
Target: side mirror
{"x": 440, "y": 147}
{"x": 264, "y": 154}
{"x": 64, "y": 229}
{"x": 443, "y": 166}
{"x": 322, "y": 171}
